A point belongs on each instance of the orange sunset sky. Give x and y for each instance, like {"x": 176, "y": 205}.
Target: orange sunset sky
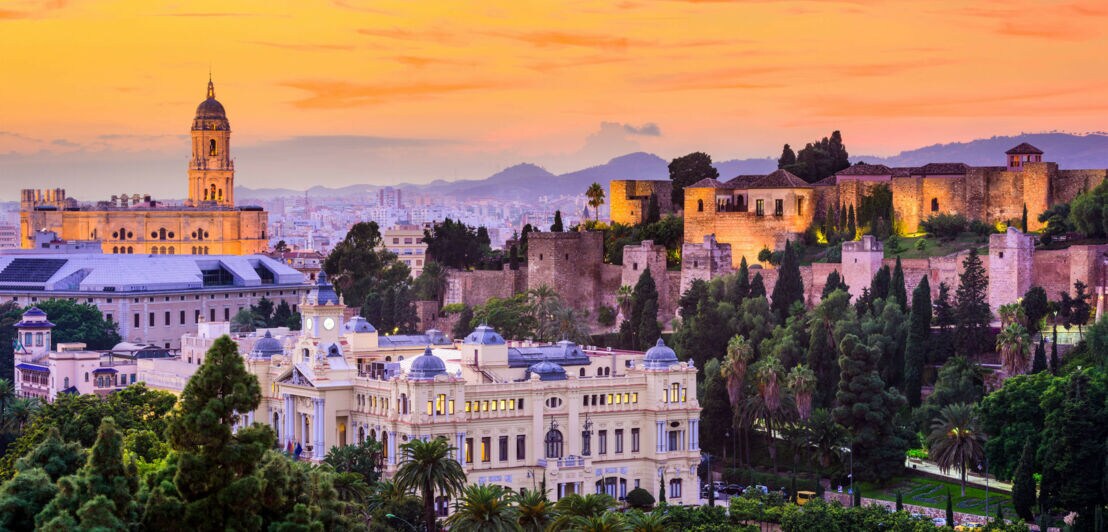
{"x": 100, "y": 93}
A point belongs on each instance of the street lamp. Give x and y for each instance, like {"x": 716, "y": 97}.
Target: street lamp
{"x": 986, "y": 486}
{"x": 586, "y": 437}
{"x": 402, "y": 520}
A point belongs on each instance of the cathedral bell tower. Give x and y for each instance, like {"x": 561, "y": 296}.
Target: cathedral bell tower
{"x": 211, "y": 170}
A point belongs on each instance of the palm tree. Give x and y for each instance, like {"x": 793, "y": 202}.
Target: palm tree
{"x": 595, "y": 193}
{"x": 1014, "y": 345}
{"x": 825, "y": 437}
{"x": 544, "y": 301}
{"x": 385, "y": 493}
{"x": 533, "y": 509}
{"x": 1012, "y": 313}
{"x": 954, "y": 441}
{"x": 623, "y": 297}
{"x": 428, "y": 468}
{"x": 572, "y": 506}
{"x": 767, "y": 404}
{"x": 802, "y": 382}
{"x": 18, "y": 413}
{"x": 7, "y": 392}
{"x": 640, "y": 521}
{"x": 606, "y": 522}
{"x": 483, "y": 508}
{"x": 733, "y": 370}
{"x": 352, "y": 490}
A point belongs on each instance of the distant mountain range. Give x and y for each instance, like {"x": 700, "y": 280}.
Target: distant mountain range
{"x": 527, "y": 181}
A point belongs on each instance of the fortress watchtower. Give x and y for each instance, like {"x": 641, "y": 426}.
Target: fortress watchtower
{"x": 1024, "y": 153}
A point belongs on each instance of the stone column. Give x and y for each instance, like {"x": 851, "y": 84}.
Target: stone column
{"x": 288, "y": 416}
{"x": 303, "y": 439}
{"x": 459, "y": 442}
{"x": 694, "y": 434}
{"x": 392, "y": 447}
{"x": 660, "y": 427}
{"x": 320, "y": 434}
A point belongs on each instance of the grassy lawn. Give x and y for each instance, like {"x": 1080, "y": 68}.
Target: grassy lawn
{"x": 923, "y": 491}
{"x": 934, "y": 247}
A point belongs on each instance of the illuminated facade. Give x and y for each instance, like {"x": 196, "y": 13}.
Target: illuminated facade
{"x": 208, "y": 223}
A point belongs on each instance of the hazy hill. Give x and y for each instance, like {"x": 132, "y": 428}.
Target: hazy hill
{"x": 524, "y": 181}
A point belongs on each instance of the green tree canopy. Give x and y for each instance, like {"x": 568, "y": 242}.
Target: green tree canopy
{"x": 689, "y": 169}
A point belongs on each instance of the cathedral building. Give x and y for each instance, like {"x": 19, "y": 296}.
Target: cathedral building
{"x": 208, "y": 223}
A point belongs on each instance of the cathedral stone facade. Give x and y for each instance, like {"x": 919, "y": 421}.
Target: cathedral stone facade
{"x": 207, "y": 223}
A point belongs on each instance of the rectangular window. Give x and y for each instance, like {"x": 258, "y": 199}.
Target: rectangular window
{"x": 469, "y": 450}
{"x": 227, "y": 314}
{"x": 108, "y": 317}
{"x": 503, "y": 448}
{"x": 519, "y": 403}
{"x": 137, "y": 320}
{"x": 430, "y": 407}
{"x": 503, "y": 404}
{"x": 167, "y": 319}
{"x": 602, "y": 442}
{"x": 450, "y": 407}
{"x": 779, "y": 207}
{"x": 211, "y": 314}
{"x": 511, "y": 404}
{"x": 760, "y": 207}
{"x": 800, "y": 206}
{"x": 493, "y": 404}
{"x": 634, "y": 440}
{"x": 619, "y": 440}
{"x": 486, "y": 452}
{"x": 673, "y": 440}
{"x": 467, "y": 406}
{"x": 521, "y": 447}
{"x": 182, "y": 317}
{"x": 635, "y": 397}
{"x": 150, "y": 319}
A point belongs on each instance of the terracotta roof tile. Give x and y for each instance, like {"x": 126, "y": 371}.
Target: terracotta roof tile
{"x": 866, "y": 169}
{"x": 941, "y": 169}
{"x": 1024, "y": 149}
{"x": 780, "y": 179}
{"x": 707, "y": 182}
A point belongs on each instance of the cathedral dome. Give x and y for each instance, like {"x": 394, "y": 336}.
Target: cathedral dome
{"x": 548, "y": 371}
{"x": 660, "y": 356}
{"x": 210, "y": 108}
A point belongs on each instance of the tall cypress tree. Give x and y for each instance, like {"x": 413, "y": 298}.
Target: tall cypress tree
{"x": 649, "y": 332}
{"x": 788, "y": 157}
{"x": 789, "y": 287}
{"x": 851, "y": 224}
{"x": 513, "y": 257}
{"x": 899, "y": 289}
{"x": 757, "y": 286}
{"x": 915, "y": 351}
{"x": 653, "y": 210}
{"x": 971, "y": 310}
{"x": 645, "y": 290}
{"x": 879, "y": 286}
{"x": 868, "y": 410}
{"x": 834, "y": 282}
{"x": 1023, "y": 484}
{"x": 742, "y": 284}
{"x": 1055, "y": 362}
{"x": 842, "y": 217}
{"x": 1038, "y": 364}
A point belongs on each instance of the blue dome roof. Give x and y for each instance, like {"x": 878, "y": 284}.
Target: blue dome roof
{"x": 34, "y": 311}
{"x": 484, "y": 335}
{"x": 548, "y": 371}
{"x": 267, "y": 346}
{"x": 659, "y": 356}
{"x": 426, "y": 367}
{"x": 323, "y": 293}
{"x": 358, "y": 324}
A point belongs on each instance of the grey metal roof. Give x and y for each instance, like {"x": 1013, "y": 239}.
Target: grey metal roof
{"x": 431, "y": 337}
{"x": 149, "y": 273}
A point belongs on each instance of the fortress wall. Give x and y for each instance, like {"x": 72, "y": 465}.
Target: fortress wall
{"x": 1051, "y": 270}
{"x": 570, "y": 263}
{"x": 704, "y": 261}
{"x": 1085, "y": 265}
{"x": 474, "y": 288}
{"x": 914, "y": 271}
{"x": 950, "y": 193}
{"x": 1067, "y": 184}
{"x": 628, "y": 199}
{"x": 974, "y": 192}
{"x": 1005, "y": 196}
{"x": 908, "y": 203}
{"x": 610, "y": 281}
{"x": 815, "y": 279}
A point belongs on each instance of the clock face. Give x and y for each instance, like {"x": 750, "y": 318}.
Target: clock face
{"x": 310, "y": 323}
{"x": 328, "y": 324}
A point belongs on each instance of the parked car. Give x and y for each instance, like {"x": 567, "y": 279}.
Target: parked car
{"x": 803, "y": 497}
{"x": 939, "y": 521}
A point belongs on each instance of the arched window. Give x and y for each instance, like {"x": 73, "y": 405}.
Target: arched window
{"x": 699, "y": 205}
{"x": 211, "y": 147}
{"x": 607, "y": 371}
{"x": 154, "y": 250}
{"x": 122, "y": 234}
{"x": 161, "y": 234}
{"x": 934, "y": 204}
{"x": 38, "y": 339}
{"x": 599, "y": 372}
{"x": 171, "y": 250}
{"x": 221, "y": 194}
{"x": 205, "y": 250}
{"x": 86, "y": 376}
{"x": 130, "y": 250}
{"x": 115, "y": 249}
{"x": 66, "y": 384}
{"x": 554, "y": 443}
{"x": 582, "y": 372}
{"x": 213, "y": 192}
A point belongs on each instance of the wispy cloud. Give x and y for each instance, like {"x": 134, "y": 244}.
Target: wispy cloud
{"x": 560, "y": 38}
{"x": 341, "y": 94}
{"x": 304, "y": 47}
{"x": 649, "y": 129}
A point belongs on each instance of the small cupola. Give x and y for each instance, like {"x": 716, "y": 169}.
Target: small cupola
{"x": 1022, "y": 154}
